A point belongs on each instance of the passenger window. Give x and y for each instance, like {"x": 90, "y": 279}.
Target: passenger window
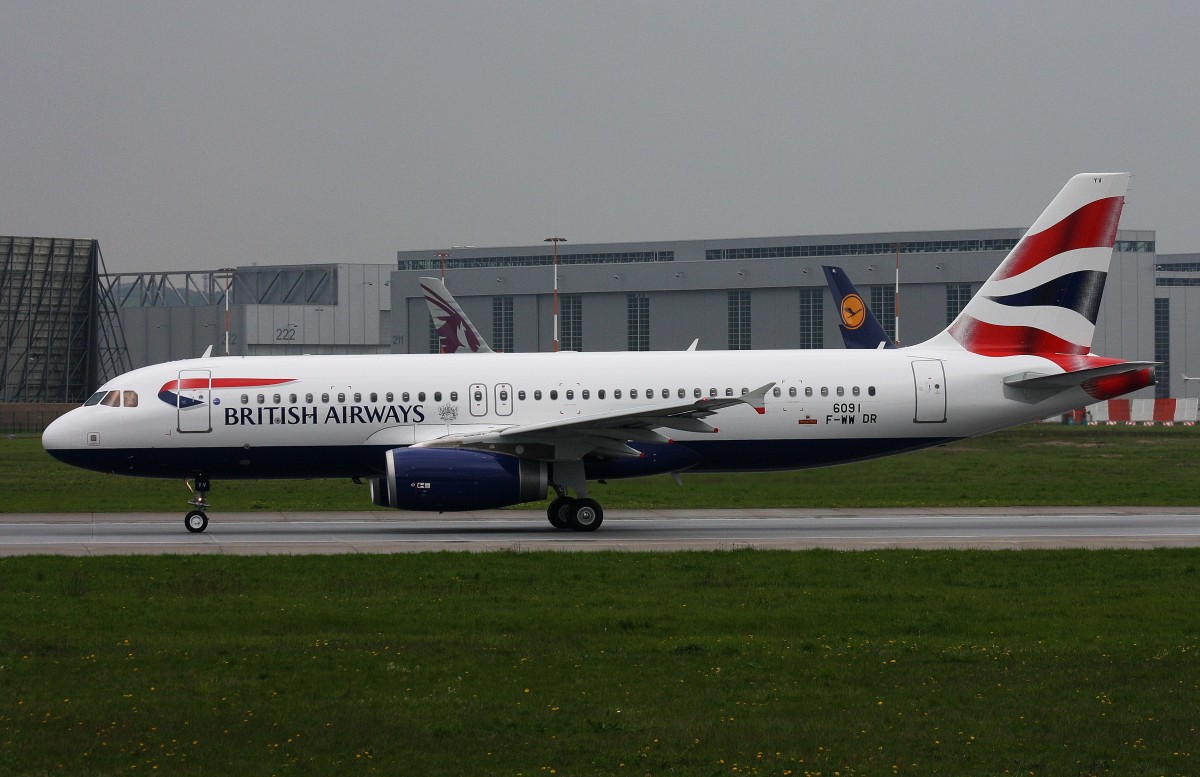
{"x": 776, "y": 392}
{"x": 357, "y": 398}
{"x": 570, "y": 394}
{"x": 292, "y": 398}
{"x": 682, "y": 393}
{"x": 712, "y": 392}
{"x": 262, "y": 400}
{"x": 454, "y": 396}
{"x": 854, "y": 391}
{"x": 729, "y": 392}
{"x": 745, "y": 391}
{"x": 308, "y": 399}
{"x": 341, "y": 398}
{"x": 808, "y": 391}
{"x": 696, "y": 393}
{"x": 600, "y": 394}
{"x": 841, "y": 392}
{"x": 587, "y": 394}
{"x": 112, "y": 399}
{"x": 503, "y": 396}
{"x": 404, "y": 397}
{"x": 537, "y": 395}
{"x": 870, "y": 391}
{"x": 520, "y": 395}
{"x": 554, "y": 394}
{"x": 437, "y": 396}
{"x": 275, "y": 399}
{"x": 792, "y": 391}
{"x": 478, "y": 396}
{"x": 420, "y": 396}
{"x": 374, "y": 397}
{"x": 633, "y": 393}
{"x": 325, "y": 399}
{"x": 649, "y": 393}
{"x": 824, "y": 391}
{"x": 616, "y": 393}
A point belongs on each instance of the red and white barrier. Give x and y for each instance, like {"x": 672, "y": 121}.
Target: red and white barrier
{"x": 1144, "y": 411}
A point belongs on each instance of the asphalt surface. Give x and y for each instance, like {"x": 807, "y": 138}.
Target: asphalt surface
{"x": 631, "y": 530}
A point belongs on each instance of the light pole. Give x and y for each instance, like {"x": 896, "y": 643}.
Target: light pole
{"x": 228, "y": 285}
{"x": 555, "y": 241}
{"x": 896, "y": 247}
{"x": 444, "y": 255}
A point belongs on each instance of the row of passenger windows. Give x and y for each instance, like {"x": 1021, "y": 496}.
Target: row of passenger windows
{"x": 568, "y": 394}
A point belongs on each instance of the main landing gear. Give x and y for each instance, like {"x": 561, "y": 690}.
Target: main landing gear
{"x": 196, "y": 521}
{"x": 578, "y": 514}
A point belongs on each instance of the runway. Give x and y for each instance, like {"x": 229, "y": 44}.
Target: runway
{"x": 85, "y": 534}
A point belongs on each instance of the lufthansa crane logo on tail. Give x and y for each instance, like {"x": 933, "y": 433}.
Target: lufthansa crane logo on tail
{"x": 853, "y": 311}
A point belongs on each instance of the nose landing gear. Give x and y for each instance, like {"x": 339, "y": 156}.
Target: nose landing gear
{"x": 196, "y": 520}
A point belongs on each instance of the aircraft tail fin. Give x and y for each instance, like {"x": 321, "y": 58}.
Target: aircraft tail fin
{"x": 1044, "y": 297}
{"x": 455, "y": 331}
{"x": 860, "y": 328}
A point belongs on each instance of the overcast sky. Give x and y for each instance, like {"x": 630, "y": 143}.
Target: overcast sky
{"x": 200, "y": 135}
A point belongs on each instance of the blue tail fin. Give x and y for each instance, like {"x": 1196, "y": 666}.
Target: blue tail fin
{"x": 860, "y": 328}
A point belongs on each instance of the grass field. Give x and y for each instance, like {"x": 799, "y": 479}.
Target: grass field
{"x": 1037, "y": 464}
{"x": 734, "y": 663}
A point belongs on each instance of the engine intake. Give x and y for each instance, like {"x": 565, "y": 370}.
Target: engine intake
{"x": 451, "y": 479}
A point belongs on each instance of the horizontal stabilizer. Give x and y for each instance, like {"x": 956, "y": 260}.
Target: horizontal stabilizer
{"x": 1061, "y": 381}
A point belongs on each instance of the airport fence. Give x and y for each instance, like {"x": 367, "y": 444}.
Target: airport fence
{"x": 30, "y": 417}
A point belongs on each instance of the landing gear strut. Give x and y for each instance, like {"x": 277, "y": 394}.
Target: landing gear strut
{"x": 197, "y": 521}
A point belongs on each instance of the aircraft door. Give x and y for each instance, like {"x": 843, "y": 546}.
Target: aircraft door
{"x": 478, "y": 399}
{"x": 193, "y": 401}
{"x": 929, "y": 379}
{"x": 504, "y": 403}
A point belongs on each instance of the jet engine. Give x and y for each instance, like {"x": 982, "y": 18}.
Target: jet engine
{"x": 450, "y": 479}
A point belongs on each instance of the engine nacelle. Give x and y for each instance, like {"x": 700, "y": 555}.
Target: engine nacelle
{"x": 450, "y": 479}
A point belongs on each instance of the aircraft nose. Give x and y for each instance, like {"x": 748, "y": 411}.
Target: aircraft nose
{"x": 58, "y": 436}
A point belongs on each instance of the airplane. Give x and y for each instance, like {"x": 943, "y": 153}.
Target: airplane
{"x": 456, "y": 332}
{"x": 859, "y": 327}
{"x": 448, "y": 432}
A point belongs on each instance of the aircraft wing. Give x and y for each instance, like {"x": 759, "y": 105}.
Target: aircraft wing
{"x": 605, "y": 433}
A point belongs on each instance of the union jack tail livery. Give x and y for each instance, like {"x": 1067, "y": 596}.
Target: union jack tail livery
{"x": 1044, "y": 298}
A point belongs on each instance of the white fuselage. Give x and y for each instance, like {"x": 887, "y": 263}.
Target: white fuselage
{"x": 313, "y": 416}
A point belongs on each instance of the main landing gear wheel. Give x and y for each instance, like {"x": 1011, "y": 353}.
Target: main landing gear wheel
{"x": 196, "y": 521}
{"x": 557, "y": 512}
{"x": 585, "y": 515}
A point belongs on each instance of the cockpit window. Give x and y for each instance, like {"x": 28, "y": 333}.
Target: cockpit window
{"x": 112, "y": 399}
{"x": 131, "y": 399}
{"x": 94, "y": 399}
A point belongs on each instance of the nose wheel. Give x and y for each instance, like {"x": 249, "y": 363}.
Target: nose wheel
{"x": 196, "y": 520}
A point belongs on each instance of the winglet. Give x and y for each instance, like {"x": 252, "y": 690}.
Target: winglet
{"x": 757, "y": 398}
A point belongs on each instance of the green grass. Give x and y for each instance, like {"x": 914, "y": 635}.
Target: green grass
{"x": 1038, "y": 464}
{"x": 1045, "y": 663}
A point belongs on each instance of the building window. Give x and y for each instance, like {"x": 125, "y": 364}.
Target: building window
{"x": 637, "y": 322}
{"x": 739, "y": 320}
{"x": 502, "y": 324}
{"x": 957, "y": 297}
{"x": 883, "y": 305}
{"x": 1162, "y": 347}
{"x": 570, "y": 321}
{"x": 435, "y": 342}
{"x": 812, "y": 318}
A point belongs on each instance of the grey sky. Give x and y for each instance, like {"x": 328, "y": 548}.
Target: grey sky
{"x": 198, "y": 135}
